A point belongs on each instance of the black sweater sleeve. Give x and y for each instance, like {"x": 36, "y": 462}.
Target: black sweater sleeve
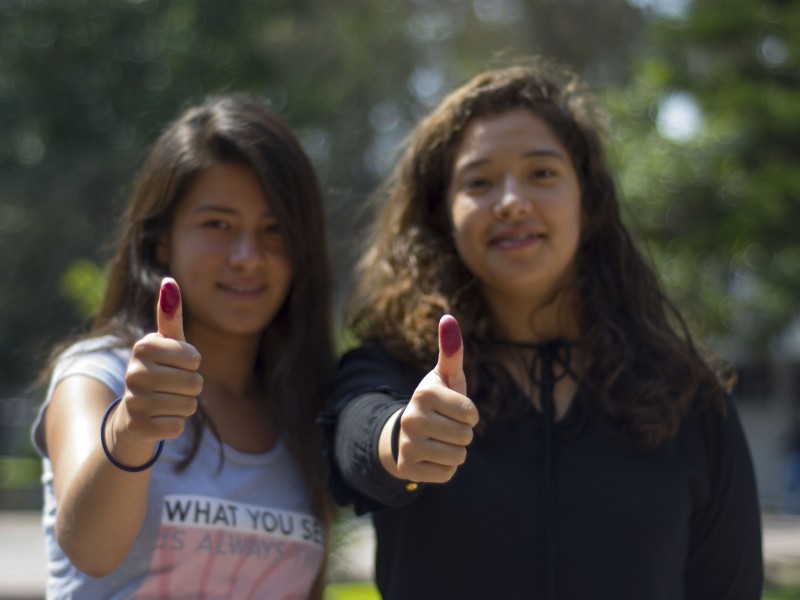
{"x": 370, "y": 386}
{"x": 725, "y": 556}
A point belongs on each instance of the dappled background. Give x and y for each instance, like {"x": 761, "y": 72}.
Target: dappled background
{"x": 706, "y": 133}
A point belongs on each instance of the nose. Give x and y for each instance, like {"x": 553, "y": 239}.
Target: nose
{"x": 245, "y": 251}
{"x": 513, "y": 202}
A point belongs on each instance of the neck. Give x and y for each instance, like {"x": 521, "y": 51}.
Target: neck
{"x": 227, "y": 362}
{"x": 525, "y": 321}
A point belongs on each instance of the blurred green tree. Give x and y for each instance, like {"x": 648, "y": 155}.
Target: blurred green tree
{"x": 708, "y": 139}
{"x": 85, "y": 85}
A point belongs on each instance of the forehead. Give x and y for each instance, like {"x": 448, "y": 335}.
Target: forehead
{"x": 518, "y": 129}
{"x": 226, "y": 184}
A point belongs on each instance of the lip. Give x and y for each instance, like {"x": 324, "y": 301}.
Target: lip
{"x": 243, "y": 288}
{"x": 512, "y": 239}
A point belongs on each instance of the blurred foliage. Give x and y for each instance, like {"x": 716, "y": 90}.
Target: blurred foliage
{"x": 19, "y": 473}
{"x": 705, "y": 96}
{"x": 708, "y": 137}
{"x": 84, "y": 283}
{"x": 86, "y": 85}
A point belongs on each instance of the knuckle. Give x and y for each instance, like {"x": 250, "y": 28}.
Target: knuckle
{"x": 194, "y": 358}
{"x": 170, "y": 428}
{"x": 412, "y": 423}
{"x": 471, "y": 412}
{"x": 191, "y": 407}
{"x": 441, "y": 475}
{"x": 136, "y": 376}
{"x": 175, "y": 428}
{"x": 425, "y": 396}
{"x": 145, "y": 345}
{"x": 195, "y": 384}
{"x": 469, "y": 435}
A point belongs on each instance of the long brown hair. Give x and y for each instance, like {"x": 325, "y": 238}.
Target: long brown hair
{"x": 643, "y": 364}
{"x": 295, "y": 357}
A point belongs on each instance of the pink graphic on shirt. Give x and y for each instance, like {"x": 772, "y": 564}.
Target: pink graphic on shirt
{"x": 210, "y": 549}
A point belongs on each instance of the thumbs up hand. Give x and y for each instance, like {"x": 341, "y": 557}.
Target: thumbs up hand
{"x": 436, "y": 426}
{"x": 162, "y": 382}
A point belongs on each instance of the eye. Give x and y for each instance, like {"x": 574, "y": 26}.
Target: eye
{"x": 477, "y": 184}
{"x": 217, "y": 224}
{"x": 272, "y": 228}
{"x": 542, "y": 174}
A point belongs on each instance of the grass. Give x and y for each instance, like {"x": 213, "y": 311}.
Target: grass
{"x": 352, "y": 591}
{"x": 367, "y": 591}
{"x": 780, "y": 595}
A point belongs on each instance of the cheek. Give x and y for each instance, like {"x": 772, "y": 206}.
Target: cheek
{"x": 464, "y": 216}
{"x": 575, "y": 229}
{"x": 196, "y": 254}
{"x": 277, "y": 263}
{"x": 461, "y": 234}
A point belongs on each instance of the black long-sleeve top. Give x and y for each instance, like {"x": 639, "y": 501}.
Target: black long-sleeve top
{"x": 546, "y": 509}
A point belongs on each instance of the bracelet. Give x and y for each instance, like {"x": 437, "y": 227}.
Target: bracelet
{"x": 111, "y": 459}
{"x": 395, "y": 438}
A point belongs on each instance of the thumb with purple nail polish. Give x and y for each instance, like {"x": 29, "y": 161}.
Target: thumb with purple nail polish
{"x": 170, "y": 312}
{"x": 451, "y": 355}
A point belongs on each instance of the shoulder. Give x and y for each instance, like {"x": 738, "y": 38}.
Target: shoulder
{"x": 103, "y": 359}
{"x": 714, "y": 435}
{"x": 93, "y": 357}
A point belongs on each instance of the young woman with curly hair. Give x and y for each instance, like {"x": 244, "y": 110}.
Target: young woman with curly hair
{"x": 577, "y": 444}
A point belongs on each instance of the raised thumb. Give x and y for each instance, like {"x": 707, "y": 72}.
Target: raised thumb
{"x": 451, "y": 355}
{"x": 170, "y": 311}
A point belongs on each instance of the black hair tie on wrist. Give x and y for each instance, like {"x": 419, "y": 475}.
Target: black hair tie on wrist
{"x": 396, "y": 435}
{"x": 111, "y": 459}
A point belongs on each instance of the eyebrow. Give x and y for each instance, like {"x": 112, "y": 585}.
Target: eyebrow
{"x": 215, "y": 208}
{"x": 530, "y": 154}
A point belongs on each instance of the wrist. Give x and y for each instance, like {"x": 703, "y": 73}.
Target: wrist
{"x": 126, "y": 452}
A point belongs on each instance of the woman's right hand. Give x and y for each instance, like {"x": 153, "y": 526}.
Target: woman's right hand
{"x": 101, "y": 508}
{"x": 161, "y": 384}
{"x": 436, "y": 425}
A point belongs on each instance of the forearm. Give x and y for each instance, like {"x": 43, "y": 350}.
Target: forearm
{"x": 362, "y": 448}
{"x": 100, "y": 514}
{"x": 100, "y": 507}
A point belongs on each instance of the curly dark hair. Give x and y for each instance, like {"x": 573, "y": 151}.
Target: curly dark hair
{"x": 643, "y": 365}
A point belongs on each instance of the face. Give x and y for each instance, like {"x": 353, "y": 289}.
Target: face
{"x": 226, "y": 251}
{"x": 514, "y": 201}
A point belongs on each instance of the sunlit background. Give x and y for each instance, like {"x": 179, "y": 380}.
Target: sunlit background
{"x": 705, "y": 104}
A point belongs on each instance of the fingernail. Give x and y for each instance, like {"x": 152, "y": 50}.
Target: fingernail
{"x": 449, "y": 336}
{"x": 170, "y": 299}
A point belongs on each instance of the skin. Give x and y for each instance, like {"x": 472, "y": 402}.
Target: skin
{"x": 231, "y": 266}
{"x": 514, "y": 202}
{"x": 515, "y": 205}
{"x": 437, "y": 424}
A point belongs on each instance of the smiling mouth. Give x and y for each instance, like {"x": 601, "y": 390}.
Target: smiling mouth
{"x": 516, "y": 239}
{"x": 241, "y": 289}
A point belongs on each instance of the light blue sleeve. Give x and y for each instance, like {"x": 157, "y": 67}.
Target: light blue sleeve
{"x": 96, "y": 358}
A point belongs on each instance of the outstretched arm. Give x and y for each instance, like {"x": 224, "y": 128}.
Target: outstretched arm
{"x": 101, "y": 507}
{"x": 436, "y": 426}
{"x": 430, "y": 440}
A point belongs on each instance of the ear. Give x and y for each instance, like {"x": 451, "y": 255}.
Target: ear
{"x": 162, "y": 250}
